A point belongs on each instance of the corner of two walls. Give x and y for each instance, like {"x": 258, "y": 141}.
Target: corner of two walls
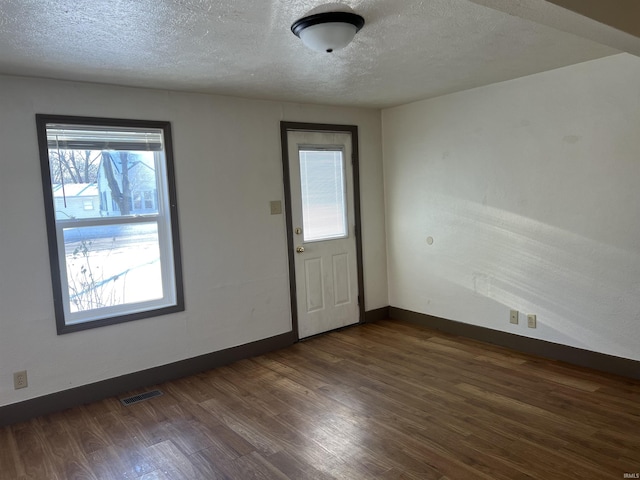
{"x": 529, "y": 191}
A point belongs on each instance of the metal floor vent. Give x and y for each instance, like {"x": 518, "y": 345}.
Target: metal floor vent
{"x": 141, "y": 397}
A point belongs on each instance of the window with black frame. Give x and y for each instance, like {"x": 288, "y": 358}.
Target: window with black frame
{"x": 112, "y": 224}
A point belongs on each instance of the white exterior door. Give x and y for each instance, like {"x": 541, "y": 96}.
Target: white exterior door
{"x": 323, "y": 220}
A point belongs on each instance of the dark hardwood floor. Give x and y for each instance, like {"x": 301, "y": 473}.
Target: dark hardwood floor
{"x": 380, "y": 401}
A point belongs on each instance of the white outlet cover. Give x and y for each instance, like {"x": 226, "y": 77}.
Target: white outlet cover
{"x": 20, "y": 380}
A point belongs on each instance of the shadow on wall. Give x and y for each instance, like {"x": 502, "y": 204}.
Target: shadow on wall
{"x": 585, "y": 291}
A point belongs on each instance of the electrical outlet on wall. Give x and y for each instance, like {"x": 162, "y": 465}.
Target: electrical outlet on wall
{"x": 531, "y": 321}
{"x": 513, "y": 317}
{"x": 20, "y": 380}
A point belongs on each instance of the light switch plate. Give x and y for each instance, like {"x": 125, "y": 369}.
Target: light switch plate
{"x": 276, "y": 207}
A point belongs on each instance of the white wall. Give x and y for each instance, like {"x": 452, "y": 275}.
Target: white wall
{"x": 530, "y": 190}
{"x": 228, "y": 168}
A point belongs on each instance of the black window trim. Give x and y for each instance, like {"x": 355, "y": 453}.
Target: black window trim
{"x": 41, "y": 126}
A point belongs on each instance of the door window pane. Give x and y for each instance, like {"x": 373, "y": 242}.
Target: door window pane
{"x": 324, "y": 207}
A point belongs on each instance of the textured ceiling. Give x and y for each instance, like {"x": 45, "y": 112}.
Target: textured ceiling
{"x": 407, "y": 50}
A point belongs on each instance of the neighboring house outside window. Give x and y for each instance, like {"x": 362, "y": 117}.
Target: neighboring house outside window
{"x": 142, "y": 181}
{"x": 73, "y": 200}
{"x": 112, "y": 224}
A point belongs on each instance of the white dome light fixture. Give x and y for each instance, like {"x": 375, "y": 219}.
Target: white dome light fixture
{"x": 328, "y": 32}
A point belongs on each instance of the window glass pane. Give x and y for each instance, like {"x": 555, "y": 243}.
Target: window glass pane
{"x": 324, "y": 209}
{"x": 114, "y": 180}
{"x": 109, "y": 265}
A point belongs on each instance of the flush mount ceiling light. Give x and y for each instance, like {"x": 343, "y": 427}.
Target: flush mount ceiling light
{"x": 327, "y": 32}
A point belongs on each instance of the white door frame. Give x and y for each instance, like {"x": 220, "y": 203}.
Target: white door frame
{"x": 285, "y": 128}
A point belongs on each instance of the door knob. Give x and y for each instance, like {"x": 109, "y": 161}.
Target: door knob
{"x": 299, "y": 249}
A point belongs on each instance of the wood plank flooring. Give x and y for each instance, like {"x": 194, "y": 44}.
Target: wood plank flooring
{"x": 380, "y": 401}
